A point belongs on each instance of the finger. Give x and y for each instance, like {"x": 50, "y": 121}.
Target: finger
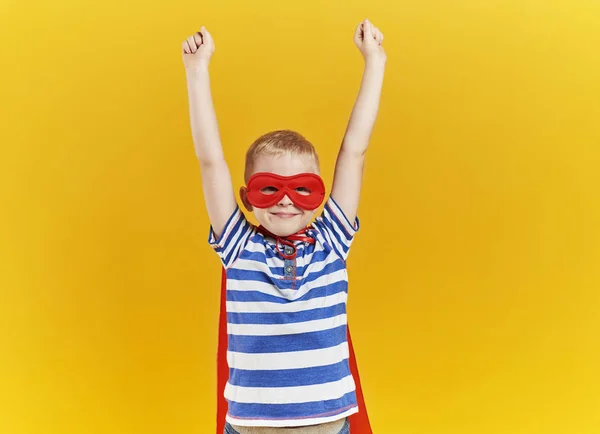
{"x": 186, "y": 48}
{"x": 375, "y": 32}
{"x": 198, "y": 39}
{"x": 206, "y": 35}
{"x": 368, "y": 29}
{"x": 358, "y": 33}
{"x": 192, "y": 44}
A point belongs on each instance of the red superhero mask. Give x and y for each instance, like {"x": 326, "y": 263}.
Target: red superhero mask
{"x": 305, "y": 190}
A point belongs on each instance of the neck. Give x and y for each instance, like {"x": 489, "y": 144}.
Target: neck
{"x": 301, "y": 235}
{"x": 288, "y": 240}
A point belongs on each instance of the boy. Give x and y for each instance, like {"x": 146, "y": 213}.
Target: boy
{"x": 286, "y": 281}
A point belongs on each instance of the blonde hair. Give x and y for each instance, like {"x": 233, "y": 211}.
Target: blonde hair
{"x": 278, "y": 143}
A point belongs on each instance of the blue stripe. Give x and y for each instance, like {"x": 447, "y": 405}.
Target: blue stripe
{"x": 293, "y": 411}
{"x": 211, "y": 232}
{"x": 261, "y": 258}
{"x": 288, "y": 343}
{"x": 339, "y": 225}
{"x": 258, "y": 296}
{"x": 286, "y": 317}
{"x": 271, "y": 252}
{"x": 260, "y": 276}
{"x": 249, "y": 275}
{"x": 253, "y": 296}
{"x": 289, "y": 377}
{"x": 354, "y": 225}
{"x": 336, "y": 234}
{"x": 322, "y": 228}
{"x": 257, "y": 238}
{"x": 233, "y": 238}
{"x": 317, "y": 257}
{"x": 254, "y": 256}
{"x": 330, "y": 268}
{"x": 271, "y": 249}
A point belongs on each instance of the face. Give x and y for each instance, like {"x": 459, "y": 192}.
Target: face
{"x": 283, "y": 218}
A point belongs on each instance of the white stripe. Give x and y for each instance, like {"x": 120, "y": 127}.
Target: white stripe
{"x": 316, "y": 267}
{"x": 252, "y": 265}
{"x": 319, "y": 248}
{"x": 344, "y": 244}
{"x": 257, "y": 265}
{"x": 327, "y": 234}
{"x": 289, "y": 422}
{"x": 341, "y": 218}
{"x": 290, "y": 294}
{"x": 233, "y": 242}
{"x": 290, "y": 395}
{"x": 288, "y": 328}
{"x": 247, "y": 234}
{"x": 291, "y": 360}
{"x": 227, "y": 230}
{"x": 302, "y": 259}
{"x": 266, "y": 307}
{"x": 258, "y": 246}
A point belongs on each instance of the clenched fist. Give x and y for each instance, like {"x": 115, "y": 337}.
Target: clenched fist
{"x": 198, "y": 49}
{"x": 368, "y": 39}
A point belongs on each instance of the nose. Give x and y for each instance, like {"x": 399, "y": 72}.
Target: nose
{"x": 285, "y": 201}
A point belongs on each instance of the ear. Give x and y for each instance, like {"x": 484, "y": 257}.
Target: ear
{"x": 244, "y": 198}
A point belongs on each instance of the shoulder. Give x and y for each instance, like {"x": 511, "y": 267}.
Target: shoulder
{"x": 333, "y": 219}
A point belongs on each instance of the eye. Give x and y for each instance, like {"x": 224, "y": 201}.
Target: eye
{"x": 303, "y": 191}
{"x": 268, "y": 190}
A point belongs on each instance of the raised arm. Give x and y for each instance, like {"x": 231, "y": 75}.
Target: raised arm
{"x": 349, "y": 166}
{"x": 216, "y": 179}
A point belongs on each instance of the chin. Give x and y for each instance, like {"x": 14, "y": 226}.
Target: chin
{"x": 285, "y": 227}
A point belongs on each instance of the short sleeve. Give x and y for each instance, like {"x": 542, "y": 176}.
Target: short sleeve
{"x": 336, "y": 228}
{"x": 234, "y": 238}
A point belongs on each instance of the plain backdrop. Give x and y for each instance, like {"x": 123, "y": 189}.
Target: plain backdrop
{"x": 474, "y": 280}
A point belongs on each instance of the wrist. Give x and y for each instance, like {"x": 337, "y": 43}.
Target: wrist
{"x": 375, "y": 61}
{"x": 198, "y": 67}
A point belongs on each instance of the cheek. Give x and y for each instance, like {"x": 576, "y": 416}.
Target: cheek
{"x": 259, "y": 213}
{"x": 308, "y": 214}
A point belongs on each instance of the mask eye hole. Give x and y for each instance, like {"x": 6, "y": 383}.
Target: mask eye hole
{"x": 268, "y": 190}
{"x": 303, "y": 191}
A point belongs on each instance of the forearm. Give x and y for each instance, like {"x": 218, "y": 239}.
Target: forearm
{"x": 364, "y": 113}
{"x": 205, "y": 129}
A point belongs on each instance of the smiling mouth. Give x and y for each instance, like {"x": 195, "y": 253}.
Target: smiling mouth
{"x": 284, "y": 215}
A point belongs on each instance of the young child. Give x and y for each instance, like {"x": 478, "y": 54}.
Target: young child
{"x": 286, "y": 279}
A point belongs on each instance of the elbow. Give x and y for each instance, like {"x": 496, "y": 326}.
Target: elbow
{"x": 354, "y": 153}
{"x": 210, "y": 163}
{"x": 355, "y": 147}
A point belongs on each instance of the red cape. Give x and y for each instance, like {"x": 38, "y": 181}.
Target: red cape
{"x": 359, "y": 422}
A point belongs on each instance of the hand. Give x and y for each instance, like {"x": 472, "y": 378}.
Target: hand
{"x": 198, "y": 49}
{"x": 368, "y": 39}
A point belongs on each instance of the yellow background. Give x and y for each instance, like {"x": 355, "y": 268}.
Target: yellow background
{"x": 475, "y": 279}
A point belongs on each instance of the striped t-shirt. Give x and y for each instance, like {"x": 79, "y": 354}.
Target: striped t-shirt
{"x": 286, "y": 323}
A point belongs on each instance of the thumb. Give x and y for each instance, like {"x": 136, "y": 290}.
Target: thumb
{"x": 358, "y": 33}
{"x": 369, "y": 32}
{"x": 207, "y": 37}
